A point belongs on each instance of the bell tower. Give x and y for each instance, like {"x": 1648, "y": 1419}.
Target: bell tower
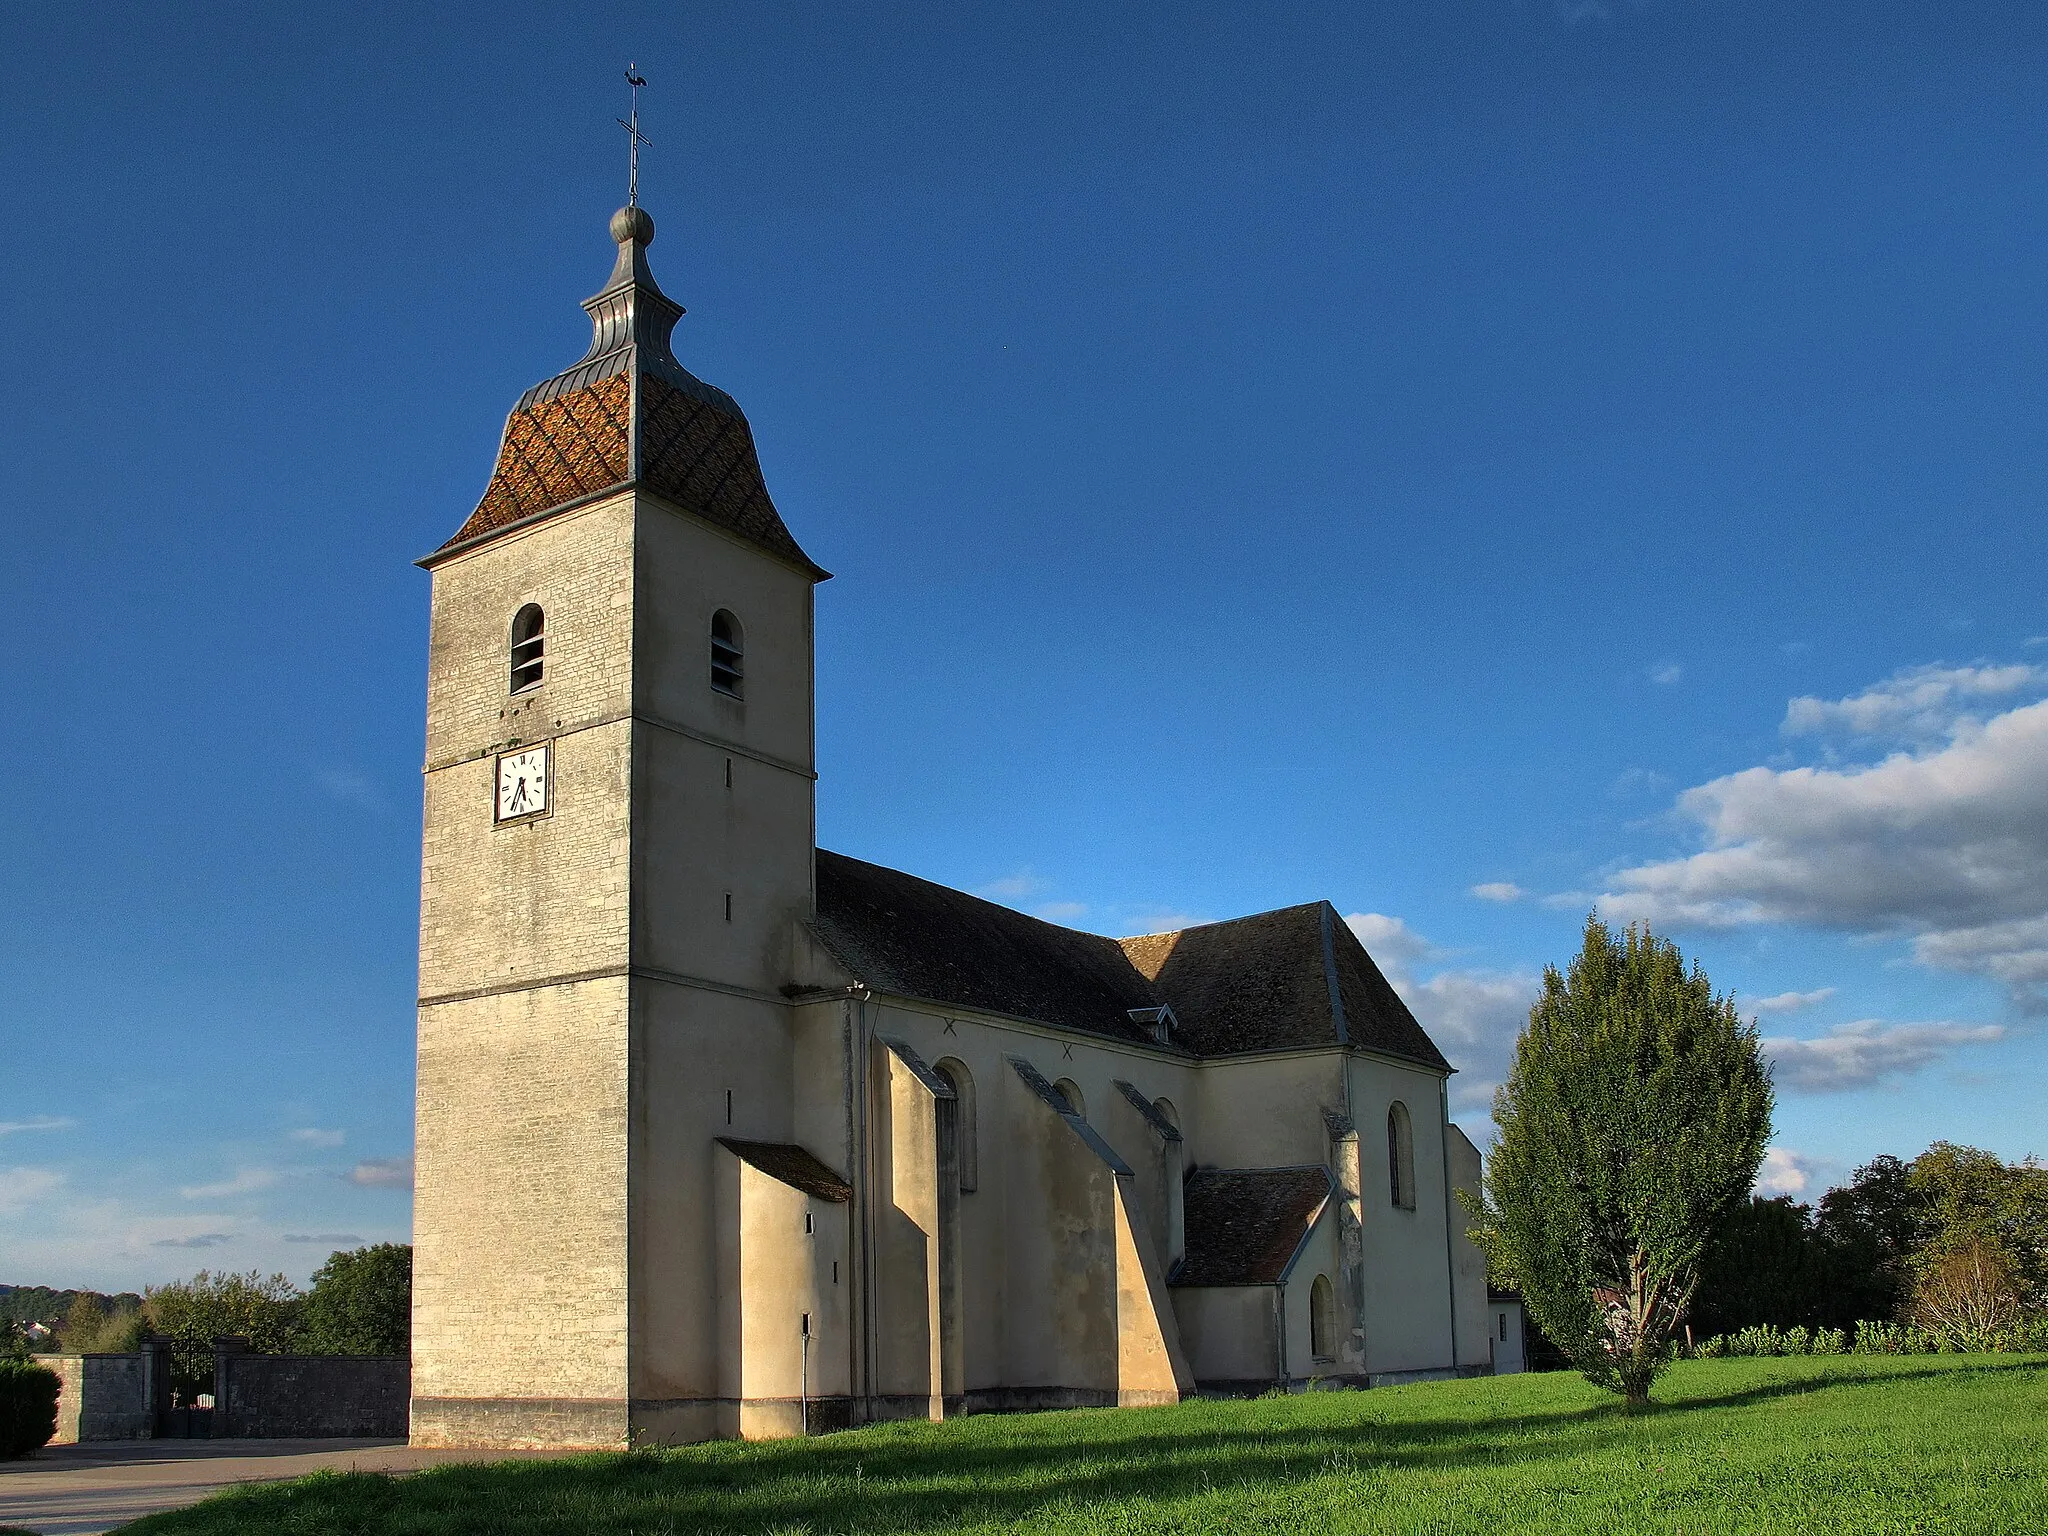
{"x": 618, "y": 842}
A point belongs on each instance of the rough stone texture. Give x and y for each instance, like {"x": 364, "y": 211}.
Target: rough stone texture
{"x": 309, "y": 1397}
{"x": 100, "y": 1397}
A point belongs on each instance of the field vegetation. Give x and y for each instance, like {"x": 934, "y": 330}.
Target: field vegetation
{"x": 1870, "y": 1444}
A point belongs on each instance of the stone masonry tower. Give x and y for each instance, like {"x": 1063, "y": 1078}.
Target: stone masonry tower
{"x": 618, "y": 848}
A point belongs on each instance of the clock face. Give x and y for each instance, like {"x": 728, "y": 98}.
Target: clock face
{"x": 522, "y": 783}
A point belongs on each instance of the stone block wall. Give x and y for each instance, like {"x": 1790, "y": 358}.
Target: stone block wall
{"x": 100, "y": 1397}
{"x": 310, "y": 1397}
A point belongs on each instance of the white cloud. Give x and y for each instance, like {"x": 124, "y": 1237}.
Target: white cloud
{"x": 1784, "y": 1172}
{"x": 1472, "y": 1015}
{"x": 382, "y": 1173}
{"x": 1667, "y": 674}
{"x": 199, "y": 1240}
{"x": 1945, "y": 842}
{"x": 245, "y": 1182}
{"x": 1499, "y": 890}
{"x": 1868, "y": 1052}
{"x": 314, "y": 1137}
{"x": 23, "y": 1186}
{"x": 1062, "y": 911}
{"x": 339, "y": 1239}
{"x": 1791, "y": 1002}
{"x": 39, "y": 1123}
{"x": 1390, "y": 941}
{"x": 1915, "y": 703}
{"x": 1018, "y": 887}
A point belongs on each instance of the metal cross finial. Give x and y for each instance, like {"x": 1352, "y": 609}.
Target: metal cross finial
{"x": 634, "y": 138}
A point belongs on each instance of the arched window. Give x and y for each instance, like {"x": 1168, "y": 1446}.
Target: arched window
{"x": 1322, "y": 1319}
{"x": 1070, "y": 1090}
{"x": 728, "y": 647}
{"x": 529, "y": 641}
{"x": 1401, "y": 1156}
{"x": 1167, "y": 1112}
{"x": 961, "y": 1081}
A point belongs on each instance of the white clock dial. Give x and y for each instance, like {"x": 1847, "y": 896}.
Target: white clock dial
{"x": 523, "y": 783}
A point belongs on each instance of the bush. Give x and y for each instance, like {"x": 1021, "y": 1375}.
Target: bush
{"x": 28, "y": 1407}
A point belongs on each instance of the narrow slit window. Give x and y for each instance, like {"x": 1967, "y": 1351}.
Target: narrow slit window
{"x": 1401, "y": 1157}
{"x": 728, "y": 648}
{"x": 529, "y": 646}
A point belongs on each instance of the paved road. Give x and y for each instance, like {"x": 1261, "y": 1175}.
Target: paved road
{"x": 82, "y": 1490}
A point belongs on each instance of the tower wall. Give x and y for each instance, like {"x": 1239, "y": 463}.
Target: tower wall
{"x": 599, "y": 984}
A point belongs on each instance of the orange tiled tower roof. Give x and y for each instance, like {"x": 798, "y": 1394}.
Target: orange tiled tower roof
{"x": 629, "y": 414}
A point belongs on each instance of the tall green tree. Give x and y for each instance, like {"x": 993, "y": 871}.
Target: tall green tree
{"x": 193, "y": 1313}
{"x": 361, "y": 1302}
{"x": 1633, "y": 1120}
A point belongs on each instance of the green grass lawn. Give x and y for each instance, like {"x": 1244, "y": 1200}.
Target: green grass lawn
{"x": 1864, "y": 1444}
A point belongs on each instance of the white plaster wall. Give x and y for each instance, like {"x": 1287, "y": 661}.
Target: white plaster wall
{"x": 1406, "y": 1252}
{"x": 1227, "y": 1332}
{"x": 1265, "y": 1111}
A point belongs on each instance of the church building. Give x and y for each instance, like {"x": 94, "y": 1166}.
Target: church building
{"x": 720, "y": 1133}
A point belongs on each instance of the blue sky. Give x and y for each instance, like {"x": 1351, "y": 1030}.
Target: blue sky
{"x": 1464, "y": 461}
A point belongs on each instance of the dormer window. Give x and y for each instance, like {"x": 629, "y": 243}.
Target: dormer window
{"x": 726, "y": 652}
{"x": 1158, "y": 1022}
{"x": 529, "y": 642}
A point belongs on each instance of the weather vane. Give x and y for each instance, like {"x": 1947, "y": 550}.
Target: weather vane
{"x": 634, "y": 138}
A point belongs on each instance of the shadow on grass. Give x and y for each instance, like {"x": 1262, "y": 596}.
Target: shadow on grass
{"x": 999, "y": 1470}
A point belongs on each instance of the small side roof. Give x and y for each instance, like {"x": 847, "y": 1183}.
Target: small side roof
{"x": 1244, "y": 1225}
{"x": 792, "y": 1164}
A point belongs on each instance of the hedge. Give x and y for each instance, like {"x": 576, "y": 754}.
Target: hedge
{"x": 28, "y": 1407}
{"x": 1864, "y": 1339}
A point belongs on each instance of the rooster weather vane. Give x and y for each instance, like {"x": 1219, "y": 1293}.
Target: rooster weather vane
{"x": 634, "y": 138}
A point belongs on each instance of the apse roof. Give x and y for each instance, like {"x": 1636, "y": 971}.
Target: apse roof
{"x": 630, "y": 415}
{"x": 1274, "y": 981}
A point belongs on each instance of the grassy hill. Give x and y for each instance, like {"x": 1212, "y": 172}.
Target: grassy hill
{"x": 1863, "y": 1444}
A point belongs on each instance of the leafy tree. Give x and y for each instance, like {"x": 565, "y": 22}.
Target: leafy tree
{"x": 193, "y": 1313}
{"x": 84, "y": 1321}
{"x": 361, "y": 1302}
{"x": 1966, "y": 1293}
{"x": 1633, "y": 1119}
{"x": 1970, "y": 1200}
{"x": 1873, "y": 1225}
{"x": 1767, "y": 1265}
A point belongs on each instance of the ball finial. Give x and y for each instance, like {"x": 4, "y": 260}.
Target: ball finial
{"x": 632, "y": 223}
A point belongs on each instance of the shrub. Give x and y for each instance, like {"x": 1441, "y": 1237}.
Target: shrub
{"x": 1830, "y": 1341}
{"x": 28, "y": 1407}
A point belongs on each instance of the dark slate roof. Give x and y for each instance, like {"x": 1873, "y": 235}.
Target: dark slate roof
{"x": 1292, "y": 978}
{"x": 792, "y": 1165}
{"x": 629, "y": 414}
{"x": 907, "y": 936}
{"x": 1244, "y": 1224}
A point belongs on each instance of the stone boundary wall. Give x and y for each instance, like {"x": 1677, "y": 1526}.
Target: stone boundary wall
{"x": 310, "y": 1397}
{"x": 100, "y": 1397}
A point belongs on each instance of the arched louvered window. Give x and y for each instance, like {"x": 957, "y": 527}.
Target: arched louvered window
{"x": 1401, "y": 1156}
{"x": 961, "y": 1081}
{"x": 728, "y": 648}
{"x": 1322, "y": 1319}
{"x": 529, "y": 645}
